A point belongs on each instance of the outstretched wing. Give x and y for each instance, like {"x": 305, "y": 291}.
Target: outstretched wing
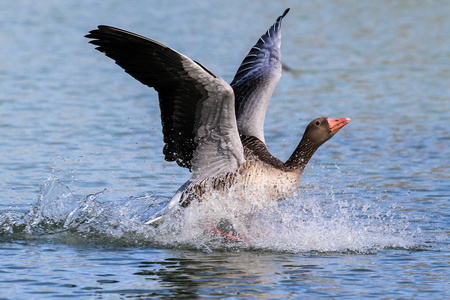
{"x": 197, "y": 107}
{"x": 256, "y": 80}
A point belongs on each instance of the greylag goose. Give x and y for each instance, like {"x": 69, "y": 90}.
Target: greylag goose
{"x": 213, "y": 128}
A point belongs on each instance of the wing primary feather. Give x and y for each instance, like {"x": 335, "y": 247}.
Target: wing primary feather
{"x": 256, "y": 80}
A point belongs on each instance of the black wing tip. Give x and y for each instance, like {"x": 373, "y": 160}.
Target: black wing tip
{"x": 283, "y": 15}
{"x": 277, "y": 23}
{"x": 285, "y": 12}
{"x": 100, "y": 29}
{"x": 91, "y": 34}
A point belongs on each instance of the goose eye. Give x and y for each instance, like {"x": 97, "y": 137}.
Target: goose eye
{"x": 317, "y": 123}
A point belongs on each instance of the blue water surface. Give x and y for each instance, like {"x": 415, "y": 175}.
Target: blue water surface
{"x": 81, "y": 163}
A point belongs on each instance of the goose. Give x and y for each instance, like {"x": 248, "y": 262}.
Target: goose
{"x": 213, "y": 128}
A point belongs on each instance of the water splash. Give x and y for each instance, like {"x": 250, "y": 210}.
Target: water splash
{"x": 301, "y": 223}
{"x": 59, "y": 211}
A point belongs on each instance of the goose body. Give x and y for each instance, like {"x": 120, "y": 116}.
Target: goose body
{"x": 213, "y": 128}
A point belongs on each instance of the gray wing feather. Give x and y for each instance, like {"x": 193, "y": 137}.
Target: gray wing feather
{"x": 256, "y": 80}
{"x": 197, "y": 107}
{"x": 219, "y": 149}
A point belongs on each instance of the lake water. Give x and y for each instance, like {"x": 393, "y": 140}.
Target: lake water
{"x": 81, "y": 164}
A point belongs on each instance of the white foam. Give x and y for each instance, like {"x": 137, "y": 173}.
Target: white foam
{"x": 302, "y": 223}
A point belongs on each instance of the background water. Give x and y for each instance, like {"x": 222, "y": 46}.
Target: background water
{"x": 371, "y": 216}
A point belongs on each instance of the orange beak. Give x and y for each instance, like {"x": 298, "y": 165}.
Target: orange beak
{"x": 336, "y": 124}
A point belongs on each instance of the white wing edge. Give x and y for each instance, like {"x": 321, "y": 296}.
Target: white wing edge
{"x": 170, "y": 207}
